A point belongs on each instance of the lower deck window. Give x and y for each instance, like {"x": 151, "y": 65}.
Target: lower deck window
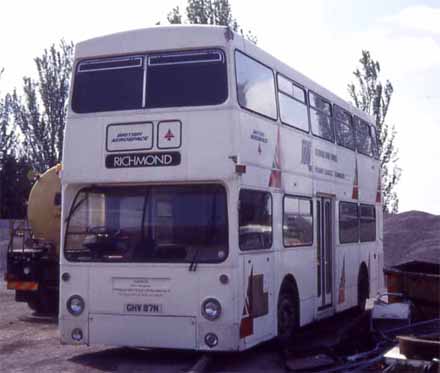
{"x": 255, "y": 220}
{"x": 356, "y": 222}
{"x": 348, "y": 222}
{"x": 297, "y": 222}
{"x": 367, "y": 223}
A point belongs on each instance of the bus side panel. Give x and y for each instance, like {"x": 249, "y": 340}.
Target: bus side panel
{"x": 300, "y": 262}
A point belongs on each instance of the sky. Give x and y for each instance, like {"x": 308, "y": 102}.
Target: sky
{"x": 321, "y": 39}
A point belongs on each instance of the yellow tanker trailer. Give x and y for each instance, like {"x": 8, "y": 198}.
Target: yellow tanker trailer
{"x": 33, "y": 255}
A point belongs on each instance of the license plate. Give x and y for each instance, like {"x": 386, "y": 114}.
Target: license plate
{"x": 143, "y": 308}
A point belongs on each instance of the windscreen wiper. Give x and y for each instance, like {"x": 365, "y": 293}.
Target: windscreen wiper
{"x": 71, "y": 212}
{"x": 194, "y": 261}
{"x": 74, "y": 208}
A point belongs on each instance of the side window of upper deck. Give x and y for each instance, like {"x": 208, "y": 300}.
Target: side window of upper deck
{"x": 255, "y": 86}
{"x": 293, "y": 106}
{"x": 255, "y": 220}
{"x": 364, "y": 141}
{"x": 321, "y": 117}
{"x": 375, "y": 142}
{"x": 344, "y": 128}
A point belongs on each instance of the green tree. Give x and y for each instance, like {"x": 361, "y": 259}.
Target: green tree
{"x": 14, "y": 187}
{"x": 40, "y": 112}
{"x": 209, "y": 12}
{"x": 8, "y": 138}
{"x": 14, "y": 184}
{"x": 372, "y": 96}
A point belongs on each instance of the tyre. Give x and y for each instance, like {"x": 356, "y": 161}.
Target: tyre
{"x": 287, "y": 314}
{"x": 45, "y": 302}
{"x": 363, "y": 289}
{"x": 33, "y": 304}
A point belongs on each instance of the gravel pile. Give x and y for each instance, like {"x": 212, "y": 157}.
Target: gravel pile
{"x": 412, "y": 235}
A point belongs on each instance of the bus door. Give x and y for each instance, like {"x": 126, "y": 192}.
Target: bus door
{"x": 325, "y": 250}
{"x": 257, "y": 266}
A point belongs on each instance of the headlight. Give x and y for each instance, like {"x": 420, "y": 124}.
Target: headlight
{"x": 211, "y": 309}
{"x": 75, "y": 305}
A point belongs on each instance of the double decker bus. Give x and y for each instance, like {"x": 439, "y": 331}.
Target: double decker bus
{"x": 212, "y": 197}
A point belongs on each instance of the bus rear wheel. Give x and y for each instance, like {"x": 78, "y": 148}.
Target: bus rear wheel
{"x": 287, "y": 314}
{"x": 363, "y": 289}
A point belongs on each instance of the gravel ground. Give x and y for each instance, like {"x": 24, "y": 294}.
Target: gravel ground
{"x": 30, "y": 343}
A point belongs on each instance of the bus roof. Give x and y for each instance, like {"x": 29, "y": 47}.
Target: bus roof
{"x": 159, "y": 38}
{"x": 172, "y": 37}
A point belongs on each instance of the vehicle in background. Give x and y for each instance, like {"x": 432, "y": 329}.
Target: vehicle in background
{"x": 33, "y": 252}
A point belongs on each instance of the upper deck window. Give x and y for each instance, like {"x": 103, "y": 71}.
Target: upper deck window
{"x": 108, "y": 84}
{"x": 363, "y": 137}
{"x": 375, "y": 138}
{"x": 321, "y": 117}
{"x": 293, "y": 107}
{"x": 255, "y": 86}
{"x": 191, "y": 78}
{"x": 186, "y": 79}
{"x": 344, "y": 128}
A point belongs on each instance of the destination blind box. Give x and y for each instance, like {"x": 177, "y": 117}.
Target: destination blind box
{"x": 130, "y": 160}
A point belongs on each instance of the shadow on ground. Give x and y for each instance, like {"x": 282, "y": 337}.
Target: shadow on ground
{"x": 131, "y": 359}
{"x": 263, "y": 358}
{"x": 37, "y": 318}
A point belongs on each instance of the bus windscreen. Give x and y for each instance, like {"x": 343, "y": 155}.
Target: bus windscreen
{"x": 178, "y": 224}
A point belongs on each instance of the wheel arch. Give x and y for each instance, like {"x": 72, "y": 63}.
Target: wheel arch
{"x": 290, "y": 284}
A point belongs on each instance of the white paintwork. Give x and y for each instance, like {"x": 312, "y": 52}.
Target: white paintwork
{"x": 211, "y": 137}
{"x": 397, "y": 311}
{"x": 133, "y": 136}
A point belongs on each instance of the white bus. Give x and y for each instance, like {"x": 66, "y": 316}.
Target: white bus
{"x": 213, "y": 197}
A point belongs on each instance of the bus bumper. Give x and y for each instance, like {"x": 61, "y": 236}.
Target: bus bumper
{"x": 149, "y": 331}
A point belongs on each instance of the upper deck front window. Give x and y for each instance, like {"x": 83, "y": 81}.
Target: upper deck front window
{"x": 191, "y": 78}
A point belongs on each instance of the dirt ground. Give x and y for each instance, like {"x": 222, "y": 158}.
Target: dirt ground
{"x": 30, "y": 343}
